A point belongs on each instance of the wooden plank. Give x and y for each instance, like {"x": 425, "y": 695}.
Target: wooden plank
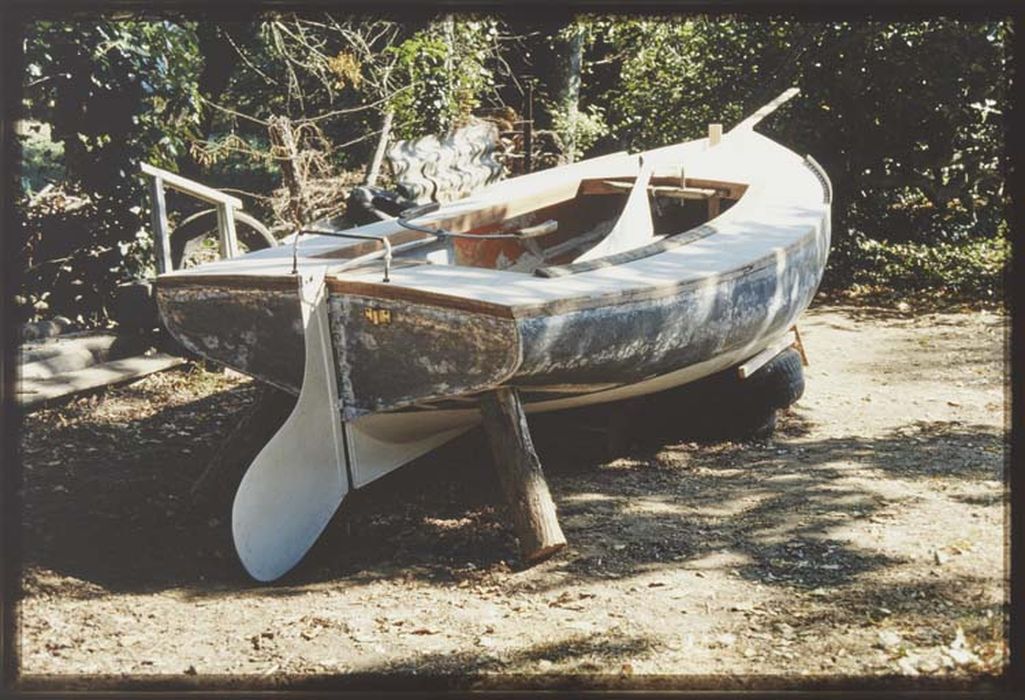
{"x": 725, "y": 189}
{"x": 65, "y": 354}
{"x": 713, "y": 207}
{"x": 624, "y": 187}
{"x": 197, "y": 190}
{"x": 758, "y": 361}
{"x": 158, "y": 219}
{"x": 227, "y": 238}
{"x": 714, "y": 134}
{"x": 519, "y": 472}
{"x": 767, "y": 109}
{"x": 799, "y": 344}
{"x": 36, "y": 391}
{"x": 380, "y": 290}
{"x": 696, "y": 188}
{"x": 255, "y": 280}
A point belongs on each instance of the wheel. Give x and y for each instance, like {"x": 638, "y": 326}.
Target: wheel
{"x": 757, "y": 401}
{"x": 135, "y": 308}
{"x": 779, "y": 383}
{"x": 723, "y": 406}
{"x": 187, "y": 240}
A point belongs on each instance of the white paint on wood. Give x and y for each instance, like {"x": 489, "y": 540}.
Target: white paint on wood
{"x": 196, "y": 189}
{"x": 382, "y": 442}
{"x": 158, "y": 220}
{"x": 635, "y": 226}
{"x": 767, "y": 109}
{"x": 714, "y": 134}
{"x": 751, "y": 366}
{"x": 298, "y": 480}
{"x": 783, "y": 203}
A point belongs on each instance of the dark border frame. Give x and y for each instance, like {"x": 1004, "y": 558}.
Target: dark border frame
{"x": 17, "y": 12}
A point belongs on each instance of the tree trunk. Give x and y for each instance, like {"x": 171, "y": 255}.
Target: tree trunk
{"x": 382, "y": 145}
{"x": 519, "y": 472}
{"x": 287, "y": 154}
{"x": 570, "y": 97}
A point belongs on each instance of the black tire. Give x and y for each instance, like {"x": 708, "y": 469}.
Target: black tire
{"x": 758, "y": 399}
{"x": 135, "y": 307}
{"x": 251, "y": 233}
{"x": 723, "y": 406}
{"x": 779, "y": 383}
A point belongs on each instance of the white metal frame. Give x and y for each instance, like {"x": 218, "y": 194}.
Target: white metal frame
{"x": 225, "y": 203}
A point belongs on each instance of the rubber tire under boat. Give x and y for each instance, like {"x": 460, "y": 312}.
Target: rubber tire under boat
{"x": 724, "y": 406}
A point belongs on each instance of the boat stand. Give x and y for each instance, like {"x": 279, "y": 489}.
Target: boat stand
{"x": 519, "y": 471}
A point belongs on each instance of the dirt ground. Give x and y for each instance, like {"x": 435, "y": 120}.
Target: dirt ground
{"x": 865, "y": 540}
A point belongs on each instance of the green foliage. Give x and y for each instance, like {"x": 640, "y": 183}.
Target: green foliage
{"x": 916, "y": 151}
{"x": 115, "y": 93}
{"x": 971, "y": 270}
{"x": 580, "y": 128}
{"x": 667, "y": 78}
{"x": 448, "y": 69}
{"x": 907, "y": 118}
{"x": 42, "y": 158}
{"x": 421, "y": 64}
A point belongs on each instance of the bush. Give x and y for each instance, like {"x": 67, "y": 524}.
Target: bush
{"x": 939, "y": 273}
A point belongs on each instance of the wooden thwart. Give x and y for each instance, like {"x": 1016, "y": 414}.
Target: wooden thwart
{"x": 624, "y": 187}
{"x": 519, "y": 472}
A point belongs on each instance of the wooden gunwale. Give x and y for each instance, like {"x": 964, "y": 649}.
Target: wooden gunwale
{"x": 383, "y": 290}
{"x": 387, "y": 290}
{"x": 253, "y": 281}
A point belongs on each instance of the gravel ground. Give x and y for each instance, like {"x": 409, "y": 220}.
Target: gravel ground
{"x": 864, "y": 543}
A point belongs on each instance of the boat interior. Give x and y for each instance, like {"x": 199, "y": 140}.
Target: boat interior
{"x": 541, "y": 231}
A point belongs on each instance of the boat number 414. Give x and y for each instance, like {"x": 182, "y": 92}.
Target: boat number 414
{"x": 378, "y": 317}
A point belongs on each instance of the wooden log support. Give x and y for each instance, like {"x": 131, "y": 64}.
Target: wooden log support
{"x": 519, "y": 472}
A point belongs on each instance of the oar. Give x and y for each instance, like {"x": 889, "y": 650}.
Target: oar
{"x": 634, "y": 226}
{"x": 298, "y": 479}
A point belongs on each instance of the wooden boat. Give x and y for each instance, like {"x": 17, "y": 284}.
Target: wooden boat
{"x": 614, "y": 277}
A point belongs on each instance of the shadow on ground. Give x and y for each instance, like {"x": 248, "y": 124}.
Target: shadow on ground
{"x": 107, "y": 502}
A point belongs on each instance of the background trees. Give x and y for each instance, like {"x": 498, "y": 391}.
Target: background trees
{"x": 906, "y": 117}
